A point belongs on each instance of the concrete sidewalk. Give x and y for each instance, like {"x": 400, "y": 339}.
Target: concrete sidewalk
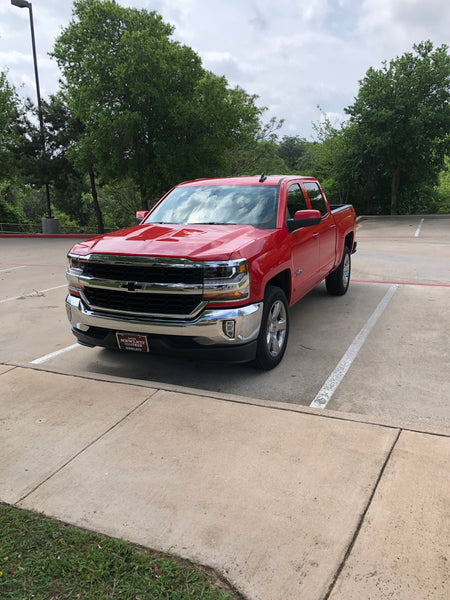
{"x": 285, "y": 502}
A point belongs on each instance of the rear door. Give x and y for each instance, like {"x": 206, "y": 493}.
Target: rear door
{"x": 326, "y": 230}
{"x": 304, "y": 244}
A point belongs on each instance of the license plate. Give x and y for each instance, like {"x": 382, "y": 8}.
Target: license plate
{"x": 131, "y": 341}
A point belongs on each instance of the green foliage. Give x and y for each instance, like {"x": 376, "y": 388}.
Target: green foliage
{"x": 401, "y": 120}
{"x": 10, "y": 127}
{"x": 291, "y": 150}
{"x": 441, "y": 192}
{"x": 41, "y": 558}
{"x": 11, "y": 205}
{"x": 150, "y": 112}
{"x": 118, "y": 202}
{"x": 258, "y": 154}
{"x": 325, "y": 159}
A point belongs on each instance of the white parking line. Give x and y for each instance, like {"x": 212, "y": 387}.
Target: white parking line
{"x": 419, "y": 228}
{"x": 332, "y": 383}
{"x": 12, "y": 268}
{"x": 36, "y": 293}
{"x": 43, "y": 359}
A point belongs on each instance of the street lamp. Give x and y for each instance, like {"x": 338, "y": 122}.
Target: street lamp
{"x": 25, "y": 4}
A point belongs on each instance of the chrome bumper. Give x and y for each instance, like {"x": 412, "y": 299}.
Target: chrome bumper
{"x": 207, "y": 329}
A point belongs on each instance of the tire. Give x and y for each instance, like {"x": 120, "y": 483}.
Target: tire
{"x": 274, "y": 331}
{"x": 338, "y": 280}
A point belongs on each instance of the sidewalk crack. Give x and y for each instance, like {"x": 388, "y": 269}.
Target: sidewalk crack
{"x": 91, "y": 443}
{"x": 361, "y": 519}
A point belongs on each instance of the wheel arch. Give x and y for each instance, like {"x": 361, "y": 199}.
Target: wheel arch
{"x": 283, "y": 281}
{"x": 349, "y": 240}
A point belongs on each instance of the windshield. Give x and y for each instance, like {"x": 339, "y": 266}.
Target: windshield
{"x": 224, "y": 205}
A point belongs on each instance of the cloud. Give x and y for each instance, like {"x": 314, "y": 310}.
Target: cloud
{"x": 391, "y": 27}
{"x": 294, "y": 54}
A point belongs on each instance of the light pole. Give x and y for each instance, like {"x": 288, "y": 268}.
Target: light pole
{"x": 25, "y": 4}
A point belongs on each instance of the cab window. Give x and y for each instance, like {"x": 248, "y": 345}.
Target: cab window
{"x": 315, "y": 197}
{"x": 295, "y": 201}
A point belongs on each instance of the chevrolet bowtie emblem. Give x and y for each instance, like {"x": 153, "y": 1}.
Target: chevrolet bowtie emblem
{"x": 132, "y": 286}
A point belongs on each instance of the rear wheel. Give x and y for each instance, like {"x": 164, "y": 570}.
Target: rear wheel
{"x": 338, "y": 281}
{"x": 274, "y": 330}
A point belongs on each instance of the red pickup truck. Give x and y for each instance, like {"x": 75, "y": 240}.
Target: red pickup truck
{"x": 212, "y": 269}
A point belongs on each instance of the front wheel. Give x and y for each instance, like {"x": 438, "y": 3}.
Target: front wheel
{"x": 338, "y": 281}
{"x": 274, "y": 330}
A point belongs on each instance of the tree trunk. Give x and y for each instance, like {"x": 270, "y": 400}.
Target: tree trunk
{"x": 97, "y": 209}
{"x": 144, "y": 200}
{"x": 394, "y": 188}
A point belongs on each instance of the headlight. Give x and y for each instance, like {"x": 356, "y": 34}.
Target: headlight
{"x": 225, "y": 281}
{"x": 73, "y": 271}
{"x": 74, "y": 264}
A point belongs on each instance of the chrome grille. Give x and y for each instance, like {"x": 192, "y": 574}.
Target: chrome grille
{"x": 142, "y": 303}
{"x": 143, "y": 273}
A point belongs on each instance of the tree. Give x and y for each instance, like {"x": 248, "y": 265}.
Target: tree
{"x": 442, "y": 190}
{"x": 259, "y": 153}
{"x": 402, "y": 118}
{"x": 150, "y": 112}
{"x": 291, "y": 149}
{"x": 10, "y": 130}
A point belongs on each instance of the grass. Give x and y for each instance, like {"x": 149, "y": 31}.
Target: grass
{"x": 43, "y": 559}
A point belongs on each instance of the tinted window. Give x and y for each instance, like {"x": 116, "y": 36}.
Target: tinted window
{"x": 295, "y": 201}
{"x": 315, "y": 197}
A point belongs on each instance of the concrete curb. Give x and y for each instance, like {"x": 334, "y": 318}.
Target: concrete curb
{"x": 245, "y": 400}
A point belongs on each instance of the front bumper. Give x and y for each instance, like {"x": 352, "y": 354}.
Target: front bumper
{"x": 206, "y": 334}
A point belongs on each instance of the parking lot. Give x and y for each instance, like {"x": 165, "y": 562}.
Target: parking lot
{"x": 381, "y": 350}
{"x": 229, "y": 467}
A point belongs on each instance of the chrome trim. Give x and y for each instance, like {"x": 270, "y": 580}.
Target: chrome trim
{"x": 141, "y": 286}
{"x": 206, "y": 329}
{"x": 121, "y": 259}
{"x": 159, "y": 261}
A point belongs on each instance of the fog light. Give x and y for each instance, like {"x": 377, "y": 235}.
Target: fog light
{"x": 75, "y": 289}
{"x": 229, "y": 328}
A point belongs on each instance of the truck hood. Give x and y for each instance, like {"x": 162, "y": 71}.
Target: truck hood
{"x": 195, "y": 242}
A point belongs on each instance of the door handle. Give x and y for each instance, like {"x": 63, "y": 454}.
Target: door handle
{"x": 315, "y": 235}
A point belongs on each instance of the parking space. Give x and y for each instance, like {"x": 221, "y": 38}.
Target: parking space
{"x": 32, "y": 292}
{"x": 394, "y": 347}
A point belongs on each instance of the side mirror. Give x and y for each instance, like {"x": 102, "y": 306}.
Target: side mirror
{"x": 304, "y": 218}
{"x": 140, "y": 216}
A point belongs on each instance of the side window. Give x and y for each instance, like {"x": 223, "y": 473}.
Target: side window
{"x": 295, "y": 201}
{"x": 315, "y": 197}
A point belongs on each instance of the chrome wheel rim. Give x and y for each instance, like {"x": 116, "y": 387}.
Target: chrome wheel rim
{"x": 346, "y": 270}
{"x": 276, "y": 328}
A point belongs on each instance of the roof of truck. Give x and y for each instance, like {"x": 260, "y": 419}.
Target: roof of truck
{"x": 246, "y": 180}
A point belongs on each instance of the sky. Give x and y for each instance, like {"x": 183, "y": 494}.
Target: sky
{"x": 296, "y": 55}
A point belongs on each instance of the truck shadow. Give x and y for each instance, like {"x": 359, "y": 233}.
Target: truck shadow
{"x": 311, "y": 348}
